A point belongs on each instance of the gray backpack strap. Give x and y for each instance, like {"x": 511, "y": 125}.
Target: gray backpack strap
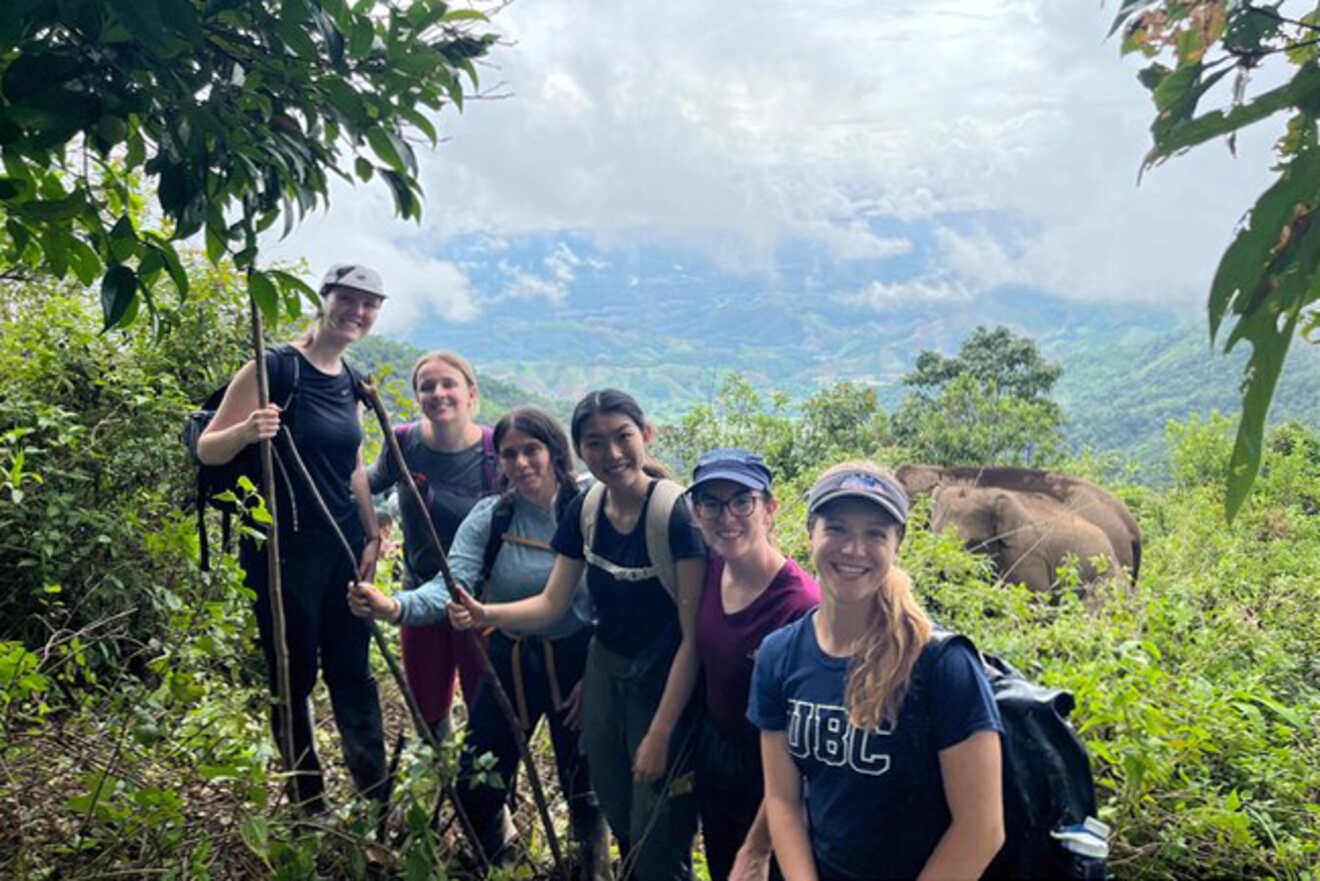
{"x": 658, "y": 511}
{"x": 591, "y": 505}
{"x": 664, "y": 497}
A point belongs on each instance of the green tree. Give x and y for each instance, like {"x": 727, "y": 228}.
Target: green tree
{"x": 840, "y": 421}
{"x": 998, "y": 356}
{"x": 1266, "y": 281}
{"x": 233, "y": 114}
{"x": 985, "y": 405}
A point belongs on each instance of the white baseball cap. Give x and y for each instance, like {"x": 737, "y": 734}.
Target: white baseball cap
{"x": 353, "y": 275}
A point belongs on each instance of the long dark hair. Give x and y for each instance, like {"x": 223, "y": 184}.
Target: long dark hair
{"x": 537, "y": 423}
{"x": 611, "y": 400}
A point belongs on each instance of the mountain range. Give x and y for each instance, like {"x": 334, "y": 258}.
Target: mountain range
{"x": 560, "y": 315}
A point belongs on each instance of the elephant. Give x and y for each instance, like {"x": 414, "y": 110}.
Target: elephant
{"x": 1081, "y": 497}
{"x": 1028, "y": 534}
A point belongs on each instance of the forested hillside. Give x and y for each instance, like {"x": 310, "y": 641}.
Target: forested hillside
{"x": 133, "y": 739}
{"x": 671, "y": 324}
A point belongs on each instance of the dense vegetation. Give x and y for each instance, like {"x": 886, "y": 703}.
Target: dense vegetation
{"x": 132, "y": 732}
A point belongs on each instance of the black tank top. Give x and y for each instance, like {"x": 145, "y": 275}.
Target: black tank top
{"x": 325, "y": 426}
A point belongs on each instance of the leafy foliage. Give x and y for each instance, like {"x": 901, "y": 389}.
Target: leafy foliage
{"x": 986, "y": 405}
{"x": 842, "y": 419}
{"x": 233, "y": 114}
{"x": 1266, "y": 279}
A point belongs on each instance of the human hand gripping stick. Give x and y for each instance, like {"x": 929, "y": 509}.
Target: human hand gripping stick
{"x": 465, "y": 613}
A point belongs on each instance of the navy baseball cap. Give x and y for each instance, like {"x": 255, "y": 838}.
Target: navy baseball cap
{"x": 860, "y": 484}
{"x": 732, "y": 463}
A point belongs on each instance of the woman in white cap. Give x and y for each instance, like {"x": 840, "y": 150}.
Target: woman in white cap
{"x": 751, "y": 590}
{"x": 880, "y": 751}
{"x": 312, "y": 394}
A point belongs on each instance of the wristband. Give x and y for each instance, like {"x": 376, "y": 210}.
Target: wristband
{"x": 397, "y": 615}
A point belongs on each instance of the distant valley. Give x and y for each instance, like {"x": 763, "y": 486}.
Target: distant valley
{"x": 560, "y": 317}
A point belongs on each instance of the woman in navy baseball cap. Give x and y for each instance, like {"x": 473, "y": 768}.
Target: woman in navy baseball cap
{"x": 880, "y": 747}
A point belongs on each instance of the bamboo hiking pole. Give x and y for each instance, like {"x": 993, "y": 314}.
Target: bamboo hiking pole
{"x": 414, "y": 708}
{"x": 497, "y": 689}
{"x": 274, "y": 586}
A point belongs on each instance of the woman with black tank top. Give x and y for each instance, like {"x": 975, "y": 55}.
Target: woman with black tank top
{"x": 641, "y": 667}
{"x": 324, "y": 422}
{"x": 452, "y": 460}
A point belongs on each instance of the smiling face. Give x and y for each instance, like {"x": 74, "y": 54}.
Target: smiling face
{"x": 613, "y": 446}
{"x": 734, "y": 519}
{"x": 444, "y": 394}
{"x": 526, "y": 463}
{"x": 349, "y": 312}
{"x": 853, "y": 544}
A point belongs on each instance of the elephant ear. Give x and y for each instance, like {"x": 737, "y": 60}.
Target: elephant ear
{"x": 917, "y": 479}
{"x": 1009, "y": 514}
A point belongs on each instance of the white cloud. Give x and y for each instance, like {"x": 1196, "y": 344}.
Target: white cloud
{"x": 419, "y": 286}
{"x": 525, "y": 286}
{"x": 884, "y": 295}
{"x": 733, "y": 128}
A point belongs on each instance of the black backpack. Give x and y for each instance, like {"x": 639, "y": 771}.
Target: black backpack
{"x": 1050, "y": 825}
{"x": 283, "y": 373}
{"x": 501, "y": 518}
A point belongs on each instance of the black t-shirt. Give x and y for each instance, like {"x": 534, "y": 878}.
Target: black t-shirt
{"x": 323, "y": 420}
{"x": 452, "y": 483}
{"x": 630, "y": 615}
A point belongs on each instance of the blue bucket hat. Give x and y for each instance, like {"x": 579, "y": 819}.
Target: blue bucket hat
{"x": 740, "y": 466}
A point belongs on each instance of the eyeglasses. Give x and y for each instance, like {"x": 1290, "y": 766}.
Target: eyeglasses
{"x": 709, "y": 507}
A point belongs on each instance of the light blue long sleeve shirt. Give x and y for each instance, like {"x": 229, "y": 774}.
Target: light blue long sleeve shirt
{"x": 520, "y": 571}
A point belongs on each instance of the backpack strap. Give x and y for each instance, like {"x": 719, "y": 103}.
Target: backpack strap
{"x": 591, "y": 505}
{"x": 490, "y": 461}
{"x": 664, "y": 497}
{"x": 501, "y": 518}
{"x": 660, "y": 507}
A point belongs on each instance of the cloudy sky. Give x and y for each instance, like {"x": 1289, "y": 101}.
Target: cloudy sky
{"x": 731, "y": 128}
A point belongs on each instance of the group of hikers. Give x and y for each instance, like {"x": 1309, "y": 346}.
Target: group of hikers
{"x": 690, "y": 673}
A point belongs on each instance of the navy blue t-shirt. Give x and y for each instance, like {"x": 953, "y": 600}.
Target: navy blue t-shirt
{"x": 631, "y": 616}
{"x": 875, "y": 801}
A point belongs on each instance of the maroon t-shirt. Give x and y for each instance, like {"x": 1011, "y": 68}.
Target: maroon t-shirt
{"x": 727, "y": 644}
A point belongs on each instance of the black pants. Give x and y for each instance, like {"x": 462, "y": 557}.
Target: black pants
{"x": 488, "y": 732}
{"x": 319, "y": 626}
{"x": 730, "y": 786}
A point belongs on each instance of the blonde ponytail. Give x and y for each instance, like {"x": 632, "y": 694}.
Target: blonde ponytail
{"x": 881, "y": 670}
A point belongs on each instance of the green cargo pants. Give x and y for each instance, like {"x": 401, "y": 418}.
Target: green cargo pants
{"x": 653, "y": 822}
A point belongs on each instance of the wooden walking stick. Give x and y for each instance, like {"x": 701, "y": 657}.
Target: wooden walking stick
{"x": 274, "y": 585}
{"x": 493, "y": 680}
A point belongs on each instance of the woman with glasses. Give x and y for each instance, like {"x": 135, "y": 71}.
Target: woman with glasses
{"x": 751, "y": 590}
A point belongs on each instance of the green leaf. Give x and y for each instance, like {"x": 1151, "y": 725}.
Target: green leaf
{"x": 420, "y": 122}
{"x": 290, "y": 282}
{"x": 86, "y": 262}
{"x": 384, "y": 144}
{"x": 256, "y": 835}
{"x": 405, "y": 201}
{"x": 118, "y": 293}
{"x": 1242, "y": 269}
{"x": 464, "y": 15}
{"x": 172, "y": 264}
{"x": 294, "y": 35}
{"x": 1189, "y": 133}
{"x": 265, "y": 295}
{"x": 1126, "y": 9}
{"x": 1269, "y": 347}
{"x": 123, "y": 240}
{"x": 364, "y": 168}
{"x": 359, "y": 42}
